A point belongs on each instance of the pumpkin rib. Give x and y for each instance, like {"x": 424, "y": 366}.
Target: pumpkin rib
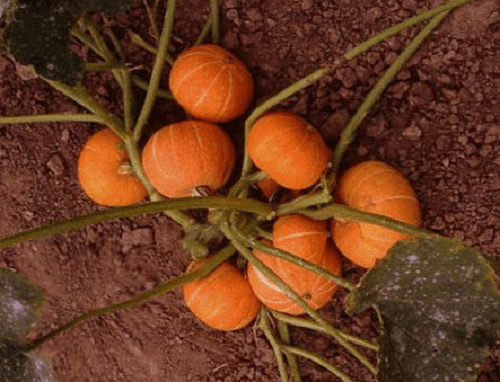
{"x": 226, "y": 102}
{"x": 298, "y": 235}
{"x": 200, "y": 147}
{"x": 202, "y": 96}
{"x": 363, "y": 180}
{"x": 387, "y": 199}
{"x": 188, "y": 74}
{"x": 286, "y": 160}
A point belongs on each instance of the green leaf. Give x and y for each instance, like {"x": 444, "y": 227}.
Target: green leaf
{"x": 39, "y": 35}
{"x": 16, "y": 366}
{"x": 20, "y": 302}
{"x": 440, "y": 310}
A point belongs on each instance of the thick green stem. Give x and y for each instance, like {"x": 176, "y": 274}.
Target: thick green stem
{"x": 269, "y": 333}
{"x": 116, "y": 43}
{"x": 267, "y": 272}
{"x": 257, "y": 244}
{"x": 86, "y": 40}
{"x": 51, "y": 118}
{"x": 128, "y": 100}
{"x": 319, "y": 360}
{"x": 320, "y": 73}
{"x": 215, "y": 202}
{"x": 348, "y": 134}
{"x": 342, "y": 212}
{"x": 204, "y": 32}
{"x": 214, "y": 18}
{"x": 80, "y": 95}
{"x": 157, "y": 70}
{"x": 309, "y": 324}
{"x": 159, "y": 290}
{"x": 138, "y": 40}
{"x": 103, "y": 47}
{"x": 302, "y": 202}
{"x": 292, "y": 361}
{"x": 144, "y": 85}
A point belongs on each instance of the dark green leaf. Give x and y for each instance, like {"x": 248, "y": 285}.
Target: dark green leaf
{"x": 440, "y": 310}
{"x": 20, "y": 301}
{"x": 16, "y": 366}
{"x": 40, "y": 35}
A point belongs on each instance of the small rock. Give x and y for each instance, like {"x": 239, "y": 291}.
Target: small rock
{"x": 230, "y": 39}
{"x": 376, "y": 127}
{"x": 65, "y": 136}
{"x": 486, "y": 236}
{"x": 347, "y": 76}
{"x": 56, "y": 165}
{"x": 136, "y": 237}
{"x": 412, "y": 133}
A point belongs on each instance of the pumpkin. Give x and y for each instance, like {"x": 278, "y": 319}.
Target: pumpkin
{"x": 223, "y": 299}
{"x": 288, "y": 149}
{"x": 267, "y": 187}
{"x": 105, "y": 174}
{"x": 301, "y": 236}
{"x": 211, "y": 84}
{"x": 314, "y": 289}
{"x": 185, "y": 158}
{"x": 378, "y": 188}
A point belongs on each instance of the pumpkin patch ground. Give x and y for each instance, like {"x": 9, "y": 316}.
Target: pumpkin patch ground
{"x": 438, "y": 123}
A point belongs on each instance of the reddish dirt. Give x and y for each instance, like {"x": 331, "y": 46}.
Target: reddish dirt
{"x": 439, "y": 123}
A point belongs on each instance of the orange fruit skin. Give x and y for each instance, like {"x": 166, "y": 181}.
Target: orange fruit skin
{"x": 100, "y": 174}
{"x": 315, "y": 289}
{"x": 211, "y": 84}
{"x": 378, "y": 188}
{"x": 268, "y": 187}
{"x": 183, "y": 156}
{"x": 288, "y": 149}
{"x": 223, "y": 299}
{"x": 300, "y": 236}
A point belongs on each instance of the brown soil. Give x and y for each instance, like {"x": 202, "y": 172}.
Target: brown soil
{"x": 439, "y": 123}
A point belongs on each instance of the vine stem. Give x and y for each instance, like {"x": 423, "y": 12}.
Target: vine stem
{"x": 292, "y": 361}
{"x": 320, "y": 73}
{"x": 342, "y": 212}
{"x": 51, "y": 118}
{"x": 303, "y": 202}
{"x": 309, "y": 324}
{"x": 348, "y": 134}
{"x": 157, "y": 70}
{"x": 319, "y": 360}
{"x": 267, "y": 272}
{"x": 257, "y": 244}
{"x": 265, "y": 326}
{"x": 214, "y": 17}
{"x": 80, "y": 95}
{"x": 144, "y": 85}
{"x": 103, "y": 47}
{"x": 216, "y": 202}
{"x": 163, "y": 288}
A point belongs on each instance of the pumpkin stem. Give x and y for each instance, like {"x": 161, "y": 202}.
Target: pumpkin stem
{"x": 201, "y": 191}
{"x": 125, "y": 168}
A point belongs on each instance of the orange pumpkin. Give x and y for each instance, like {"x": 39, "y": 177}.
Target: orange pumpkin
{"x": 223, "y": 299}
{"x": 267, "y": 186}
{"x": 300, "y": 236}
{"x": 182, "y": 158}
{"x": 288, "y": 149}
{"x": 377, "y": 188}
{"x": 314, "y": 289}
{"x": 211, "y": 84}
{"x": 105, "y": 174}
